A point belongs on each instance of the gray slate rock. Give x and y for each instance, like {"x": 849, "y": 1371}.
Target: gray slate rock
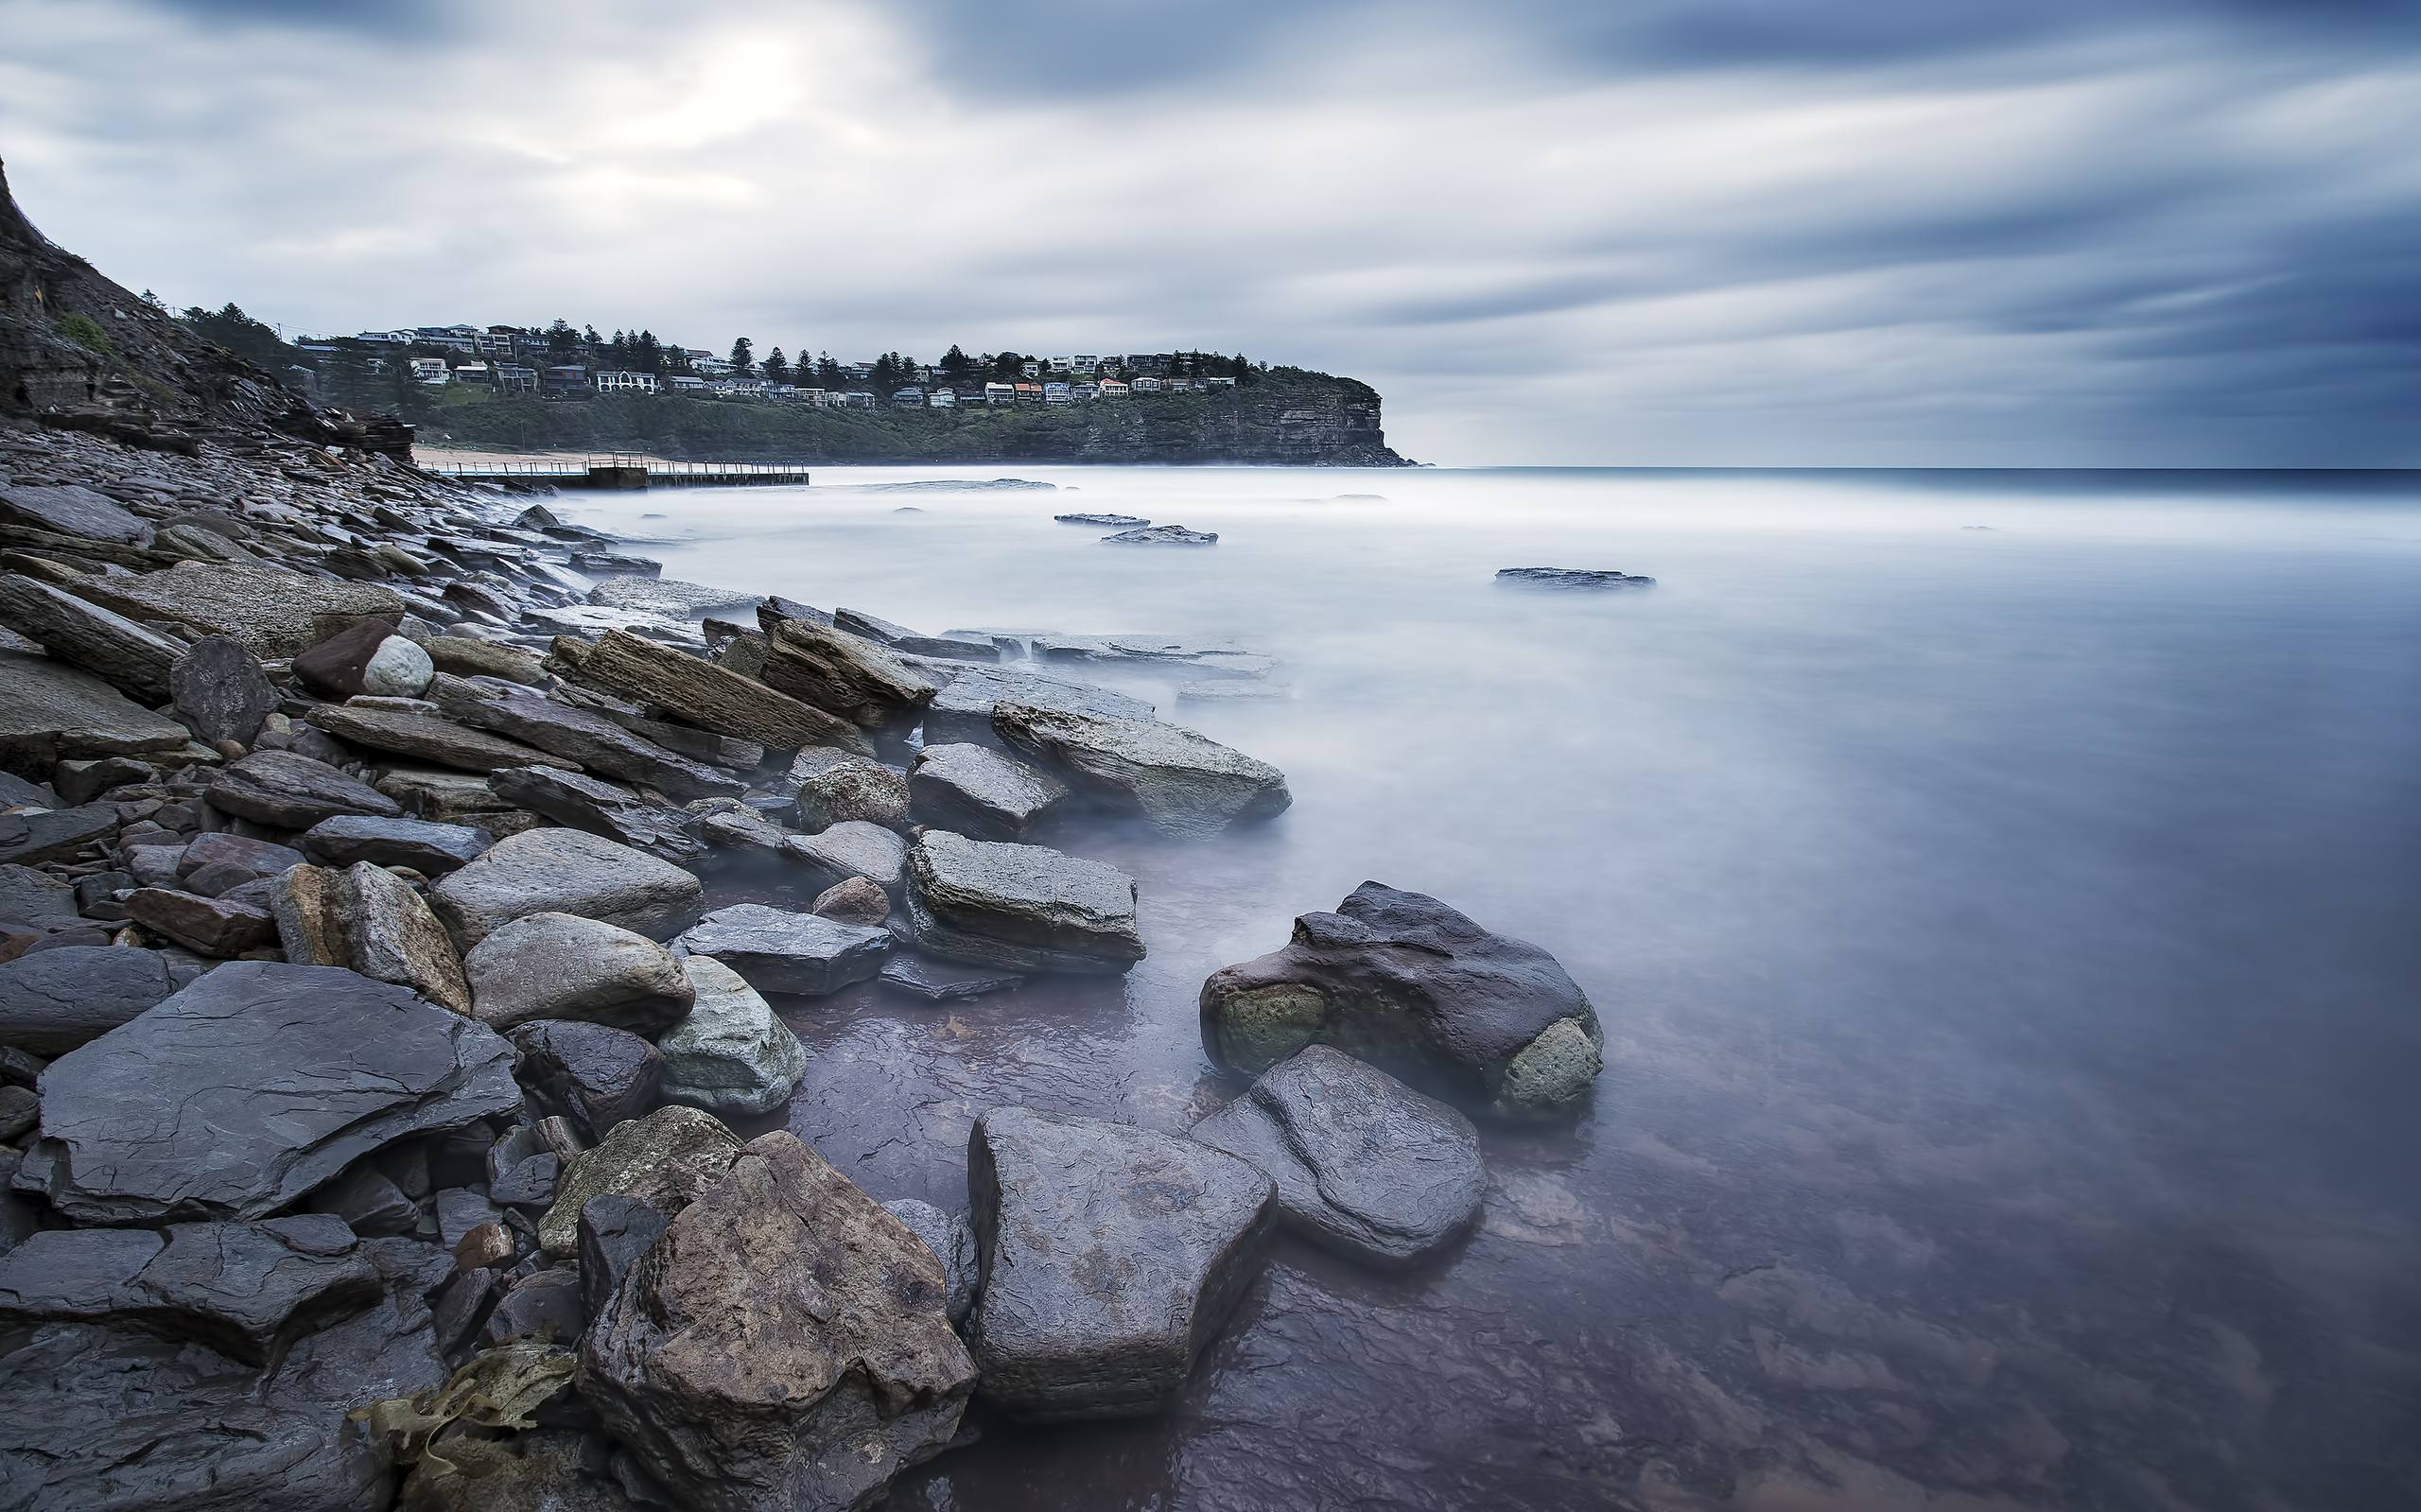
{"x": 1407, "y": 984}
{"x": 980, "y": 792}
{"x": 702, "y": 693}
{"x": 1022, "y": 908}
{"x": 50, "y": 712}
{"x": 962, "y": 711}
{"x": 218, "y": 862}
{"x": 951, "y": 1237}
{"x": 71, "y": 508}
{"x": 27, "y": 838}
{"x": 561, "y": 966}
{"x": 776, "y": 950}
{"x": 1364, "y": 1164}
{"x": 851, "y": 848}
{"x": 1162, "y": 535}
{"x": 599, "y": 808}
{"x": 1186, "y": 784}
{"x": 292, "y": 791}
{"x": 595, "y": 743}
{"x": 285, "y": 1075}
{"x": 542, "y": 1304}
{"x": 367, "y": 1201}
{"x": 426, "y": 738}
{"x": 79, "y": 782}
{"x": 53, "y": 1001}
{"x": 273, "y": 610}
{"x": 1111, "y": 1256}
{"x": 566, "y": 871}
{"x": 615, "y": 1231}
{"x": 731, "y": 1056}
{"x": 430, "y": 849}
{"x": 217, "y": 688}
{"x": 1570, "y": 578}
{"x": 943, "y": 980}
{"x": 847, "y": 674}
{"x": 217, "y": 926}
{"x": 594, "y": 1074}
{"x": 132, "y": 658}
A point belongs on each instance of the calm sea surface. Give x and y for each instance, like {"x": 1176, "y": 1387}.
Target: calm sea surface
{"x": 2002, "y": 893}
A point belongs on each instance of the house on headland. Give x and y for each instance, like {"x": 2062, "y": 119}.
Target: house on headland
{"x": 627, "y": 383}
{"x": 1000, "y": 393}
{"x": 431, "y": 370}
{"x": 1113, "y": 389}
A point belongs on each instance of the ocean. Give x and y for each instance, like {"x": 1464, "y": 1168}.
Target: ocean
{"x": 2001, "y": 892}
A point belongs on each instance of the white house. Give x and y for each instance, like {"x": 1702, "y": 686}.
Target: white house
{"x": 941, "y": 399}
{"x": 1054, "y": 393}
{"x": 707, "y": 365}
{"x": 1000, "y": 393}
{"x": 432, "y": 371}
{"x": 627, "y": 383}
{"x": 473, "y": 372}
{"x": 1147, "y": 385}
{"x": 1113, "y": 389}
{"x": 1084, "y": 367}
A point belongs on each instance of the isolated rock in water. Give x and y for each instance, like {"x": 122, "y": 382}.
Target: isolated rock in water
{"x": 599, "y": 808}
{"x": 943, "y": 980}
{"x": 50, "y": 712}
{"x": 1186, "y": 784}
{"x": 853, "y": 901}
{"x": 1124, "y": 522}
{"x": 427, "y": 738}
{"x": 974, "y": 789}
{"x": 665, "y": 595}
{"x": 430, "y": 849}
{"x": 1111, "y": 1256}
{"x": 775, "y": 950}
{"x": 260, "y": 1080}
{"x": 564, "y": 871}
{"x": 851, "y": 848}
{"x": 596, "y": 743}
{"x": 1570, "y": 578}
{"x": 615, "y": 565}
{"x": 71, "y": 508}
{"x": 963, "y": 709}
{"x": 390, "y": 935}
{"x": 730, "y": 1054}
{"x": 292, "y": 791}
{"x": 1364, "y": 1164}
{"x": 593, "y": 1074}
{"x": 851, "y": 676}
{"x": 702, "y": 693}
{"x": 951, "y": 1237}
{"x": 664, "y": 1160}
{"x": 130, "y": 657}
{"x": 855, "y": 789}
{"x": 1403, "y": 982}
{"x": 1162, "y": 535}
{"x": 53, "y": 1001}
{"x": 1025, "y": 907}
{"x": 783, "y": 1345}
{"x": 559, "y": 966}
{"x": 273, "y": 610}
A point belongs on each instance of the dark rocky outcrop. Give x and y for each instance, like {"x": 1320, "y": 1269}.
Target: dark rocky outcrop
{"x": 53, "y": 1001}
{"x": 664, "y": 1160}
{"x": 293, "y": 791}
{"x": 594, "y": 1074}
{"x": 1570, "y": 578}
{"x": 1162, "y": 535}
{"x": 848, "y": 674}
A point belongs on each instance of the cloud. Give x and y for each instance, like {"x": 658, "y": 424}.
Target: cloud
{"x": 1868, "y": 233}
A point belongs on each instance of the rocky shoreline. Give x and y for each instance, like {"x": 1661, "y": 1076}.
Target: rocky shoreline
{"x": 371, "y": 1041}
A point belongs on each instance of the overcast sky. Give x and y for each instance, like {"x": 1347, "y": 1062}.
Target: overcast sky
{"x": 1751, "y": 232}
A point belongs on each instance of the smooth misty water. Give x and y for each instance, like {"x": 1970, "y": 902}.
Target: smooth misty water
{"x": 2007, "y": 943}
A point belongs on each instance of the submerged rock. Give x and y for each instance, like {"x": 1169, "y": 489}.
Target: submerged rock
{"x": 1402, "y": 980}
{"x": 1570, "y": 578}
{"x": 1185, "y": 784}
{"x": 1110, "y": 1257}
{"x": 1025, "y": 907}
{"x": 944, "y": 981}
{"x": 1364, "y": 1164}
{"x": 1124, "y": 522}
{"x": 665, "y": 595}
{"x": 784, "y": 1344}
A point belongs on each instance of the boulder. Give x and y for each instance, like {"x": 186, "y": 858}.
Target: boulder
{"x": 53, "y": 1001}
{"x": 216, "y": 863}
{"x": 962, "y": 711}
{"x": 216, "y": 926}
{"x": 943, "y": 980}
{"x": 1162, "y": 535}
{"x": 669, "y": 597}
{"x": 273, "y": 610}
{"x": 291, "y": 791}
{"x": 731, "y": 1055}
{"x": 71, "y": 508}
{"x": 219, "y": 691}
{"x": 27, "y": 838}
{"x": 430, "y": 849}
{"x": 1402, "y": 980}
{"x": 594, "y": 743}
{"x": 391, "y": 935}
{"x": 853, "y": 790}
{"x": 702, "y": 693}
{"x": 1023, "y": 908}
{"x": 1110, "y": 1257}
{"x": 851, "y": 676}
{"x": 281, "y": 1075}
{"x": 465, "y": 656}
{"x": 336, "y": 666}
{"x": 29, "y": 895}
{"x": 775, "y": 950}
{"x": 851, "y": 848}
{"x": 664, "y": 1160}
{"x": 50, "y": 712}
{"x": 130, "y": 657}
{"x": 1186, "y": 784}
{"x": 559, "y": 966}
{"x": 368, "y": 1201}
{"x": 542, "y": 1304}
{"x": 854, "y": 901}
{"x": 951, "y": 1237}
{"x": 426, "y": 738}
{"x": 564, "y": 871}
{"x": 783, "y": 1345}
{"x": 976, "y": 791}
{"x": 599, "y": 808}
{"x": 594, "y": 1074}
{"x": 1364, "y": 1164}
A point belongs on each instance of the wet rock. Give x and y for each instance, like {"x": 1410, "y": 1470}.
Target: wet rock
{"x": 1162, "y": 535}
{"x": 216, "y": 926}
{"x": 50, "y": 712}
{"x": 615, "y": 1231}
{"x": 16, "y": 793}
{"x": 1570, "y": 578}
{"x": 71, "y": 508}
{"x": 29, "y": 895}
{"x": 702, "y": 693}
{"x": 1025, "y": 908}
{"x": 854, "y": 901}
{"x": 53, "y": 1001}
{"x": 368, "y": 1201}
{"x": 1124, "y": 522}
{"x": 20, "y": 1110}
{"x": 783, "y": 1345}
{"x": 1111, "y": 1256}
{"x": 27, "y": 838}
{"x": 851, "y": 848}
{"x": 1185, "y": 784}
{"x": 594, "y": 1074}
{"x": 610, "y": 563}
{"x": 273, "y": 610}
{"x": 976, "y": 791}
{"x": 218, "y": 689}
{"x": 484, "y": 1246}
{"x": 951, "y": 1237}
{"x": 775, "y": 950}
{"x": 529, "y": 1183}
{"x": 218, "y": 862}
{"x": 130, "y": 657}
{"x": 564, "y": 871}
{"x": 543, "y": 1469}
{"x": 738, "y": 827}
{"x": 391, "y": 935}
{"x": 217, "y": 1067}
{"x": 962, "y": 711}
{"x": 335, "y": 668}
{"x": 853, "y": 790}
{"x": 460, "y": 1211}
{"x": 599, "y": 808}
{"x": 832, "y": 670}
{"x": 544, "y": 1304}
{"x": 595, "y": 743}
{"x": 1402, "y": 980}
{"x": 1364, "y": 1164}
{"x": 430, "y": 849}
{"x": 731, "y": 1055}
{"x": 291, "y": 791}
{"x": 553, "y": 964}
{"x": 664, "y": 1160}
{"x": 451, "y": 798}
{"x": 79, "y": 782}
{"x": 427, "y": 738}
{"x": 942, "y": 981}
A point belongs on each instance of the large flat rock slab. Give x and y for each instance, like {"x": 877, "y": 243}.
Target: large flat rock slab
{"x": 980, "y": 792}
{"x": 241, "y": 1093}
{"x": 591, "y": 741}
{"x": 1111, "y": 1256}
{"x": 1186, "y": 784}
{"x": 706, "y": 695}
{"x": 132, "y": 658}
{"x": 566, "y": 871}
{"x": 71, "y": 508}
{"x": 294, "y": 792}
{"x": 427, "y": 738}
{"x": 51, "y": 712}
{"x": 274, "y": 612}
{"x": 777, "y": 950}
{"x": 53, "y": 1001}
{"x": 962, "y": 710}
{"x": 1025, "y": 908}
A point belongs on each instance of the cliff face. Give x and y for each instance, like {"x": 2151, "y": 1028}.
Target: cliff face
{"x": 78, "y": 351}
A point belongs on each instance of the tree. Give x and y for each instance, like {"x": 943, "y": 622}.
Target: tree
{"x": 776, "y": 368}
{"x": 1008, "y": 366}
{"x": 743, "y": 359}
{"x": 563, "y": 342}
{"x": 590, "y": 339}
{"x": 827, "y": 372}
{"x": 956, "y": 364}
{"x": 253, "y": 341}
{"x": 647, "y": 353}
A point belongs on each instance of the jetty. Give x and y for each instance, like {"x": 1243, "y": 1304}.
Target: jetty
{"x": 617, "y": 471}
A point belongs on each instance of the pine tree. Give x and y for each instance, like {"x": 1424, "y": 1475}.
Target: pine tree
{"x": 743, "y": 359}
{"x": 647, "y": 353}
{"x": 776, "y": 366}
{"x": 827, "y": 372}
{"x": 956, "y": 363}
